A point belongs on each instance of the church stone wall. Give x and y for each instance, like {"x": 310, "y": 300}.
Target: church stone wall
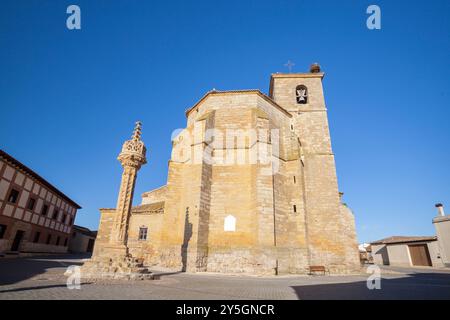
{"x": 154, "y": 196}
{"x": 145, "y": 249}
{"x": 104, "y": 230}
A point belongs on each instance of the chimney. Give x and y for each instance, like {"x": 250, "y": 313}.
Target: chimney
{"x": 440, "y": 208}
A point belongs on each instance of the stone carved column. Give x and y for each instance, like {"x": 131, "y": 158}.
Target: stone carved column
{"x": 132, "y": 157}
{"x": 113, "y": 260}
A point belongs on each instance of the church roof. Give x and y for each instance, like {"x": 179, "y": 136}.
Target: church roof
{"x": 157, "y": 207}
{"x": 247, "y": 91}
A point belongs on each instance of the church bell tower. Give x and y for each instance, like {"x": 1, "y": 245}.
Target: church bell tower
{"x": 301, "y": 94}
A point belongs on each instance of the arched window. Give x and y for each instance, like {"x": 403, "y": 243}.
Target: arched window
{"x": 229, "y": 223}
{"x": 301, "y": 93}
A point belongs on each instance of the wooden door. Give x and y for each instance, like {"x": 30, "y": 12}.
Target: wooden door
{"x": 420, "y": 255}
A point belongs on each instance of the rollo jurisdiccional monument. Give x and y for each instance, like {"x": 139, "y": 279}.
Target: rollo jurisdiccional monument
{"x": 115, "y": 260}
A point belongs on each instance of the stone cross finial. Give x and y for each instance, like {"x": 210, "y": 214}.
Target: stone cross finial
{"x": 289, "y": 65}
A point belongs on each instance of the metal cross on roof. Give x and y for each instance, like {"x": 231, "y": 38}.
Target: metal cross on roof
{"x": 289, "y": 65}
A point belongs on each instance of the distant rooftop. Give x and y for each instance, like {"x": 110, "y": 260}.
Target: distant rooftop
{"x": 84, "y": 230}
{"x": 403, "y": 239}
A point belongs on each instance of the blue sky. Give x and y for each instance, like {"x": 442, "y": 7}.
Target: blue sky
{"x": 69, "y": 99}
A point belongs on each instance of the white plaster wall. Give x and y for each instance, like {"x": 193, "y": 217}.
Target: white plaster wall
{"x": 399, "y": 255}
{"x": 435, "y": 254}
{"x": 379, "y": 253}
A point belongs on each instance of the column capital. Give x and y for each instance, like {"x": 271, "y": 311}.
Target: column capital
{"x": 133, "y": 151}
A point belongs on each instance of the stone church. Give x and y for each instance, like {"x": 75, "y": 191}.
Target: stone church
{"x": 251, "y": 188}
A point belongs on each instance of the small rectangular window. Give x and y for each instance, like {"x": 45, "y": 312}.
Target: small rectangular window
{"x": 2, "y": 230}
{"x": 294, "y": 180}
{"x": 31, "y": 203}
{"x": 57, "y": 241}
{"x": 55, "y": 214}
{"x": 49, "y": 238}
{"x": 37, "y": 235}
{"x": 44, "y": 210}
{"x": 295, "y": 208}
{"x": 13, "y": 195}
{"x": 65, "y": 242}
{"x": 143, "y": 233}
{"x": 70, "y": 221}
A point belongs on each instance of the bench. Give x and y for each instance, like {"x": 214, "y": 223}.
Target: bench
{"x": 315, "y": 269}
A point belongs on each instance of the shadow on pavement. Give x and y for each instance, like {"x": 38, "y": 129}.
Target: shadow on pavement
{"x": 158, "y": 275}
{"x": 18, "y": 269}
{"x": 414, "y": 286}
{"x": 39, "y": 287}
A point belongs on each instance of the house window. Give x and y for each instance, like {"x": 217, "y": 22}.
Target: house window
{"x": 57, "y": 240}
{"x": 13, "y": 195}
{"x": 301, "y": 94}
{"x": 31, "y": 203}
{"x": 44, "y": 210}
{"x": 229, "y": 224}
{"x": 64, "y": 218}
{"x": 295, "y": 208}
{"x": 65, "y": 242}
{"x": 143, "y": 233}
{"x": 2, "y": 230}
{"x": 37, "y": 235}
{"x": 294, "y": 180}
{"x": 70, "y": 221}
{"x": 55, "y": 214}
{"x": 49, "y": 238}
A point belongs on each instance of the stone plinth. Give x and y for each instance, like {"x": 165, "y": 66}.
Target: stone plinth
{"x": 125, "y": 267}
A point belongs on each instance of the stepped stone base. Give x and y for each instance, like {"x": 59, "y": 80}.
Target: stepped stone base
{"x": 125, "y": 267}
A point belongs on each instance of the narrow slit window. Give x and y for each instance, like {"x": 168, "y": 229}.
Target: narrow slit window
{"x": 295, "y": 208}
